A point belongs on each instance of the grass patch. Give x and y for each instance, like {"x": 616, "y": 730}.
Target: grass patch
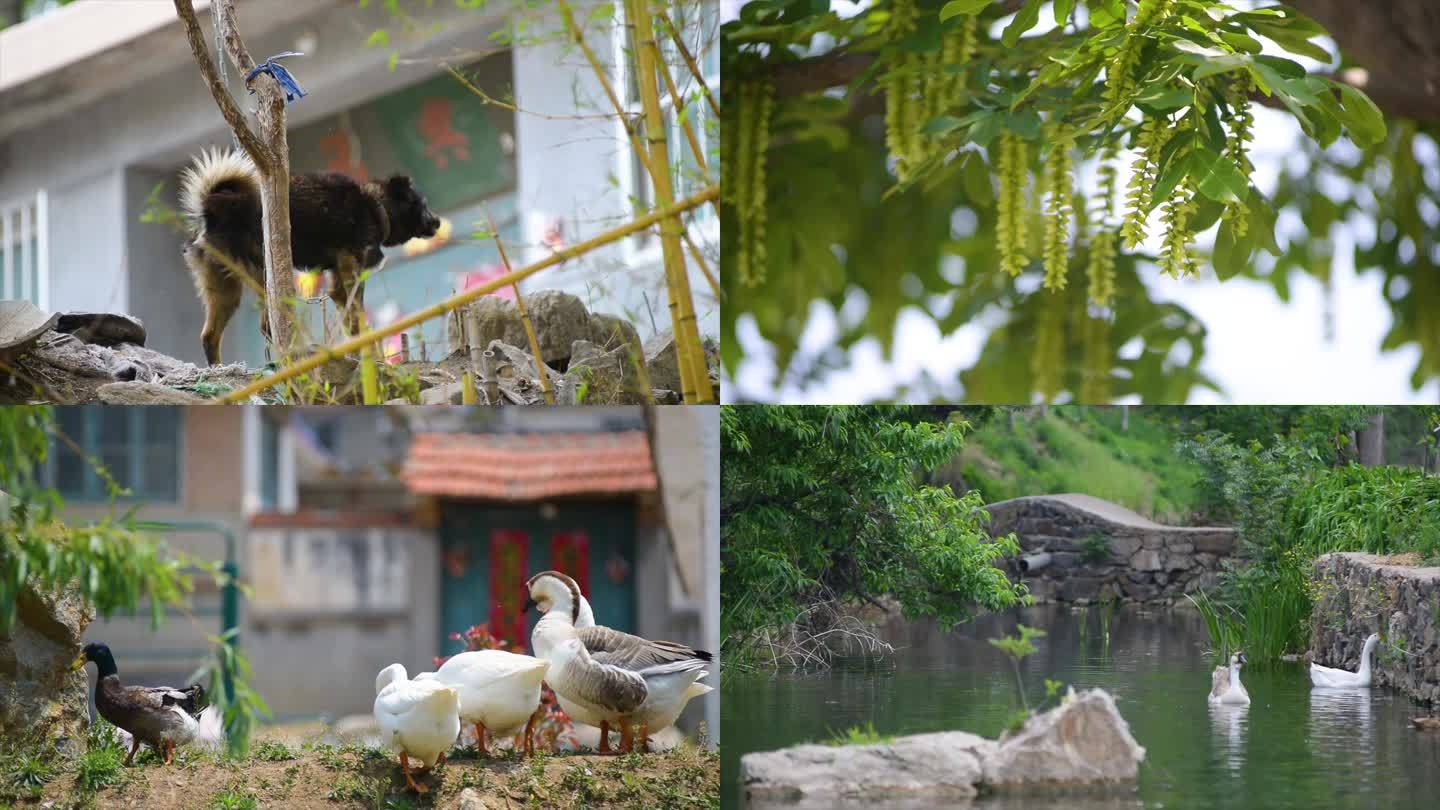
{"x": 273, "y": 751}
{"x": 1082, "y": 449}
{"x": 234, "y": 797}
{"x": 859, "y": 735}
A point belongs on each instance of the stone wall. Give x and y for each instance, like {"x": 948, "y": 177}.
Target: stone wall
{"x": 1098, "y": 550}
{"x": 1359, "y": 594}
{"x": 41, "y": 695}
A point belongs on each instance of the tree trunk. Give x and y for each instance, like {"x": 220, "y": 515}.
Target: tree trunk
{"x": 274, "y": 186}
{"x": 1370, "y": 441}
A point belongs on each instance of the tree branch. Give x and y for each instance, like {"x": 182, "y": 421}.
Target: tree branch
{"x": 1396, "y": 96}
{"x": 228, "y": 108}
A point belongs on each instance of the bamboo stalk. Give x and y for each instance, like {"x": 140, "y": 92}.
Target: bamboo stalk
{"x": 704, "y": 268}
{"x": 689, "y": 354}
{"x": 466, "y": 296}
{"x": 603, "y": 76}
{"x": 467, "y": 389}
{"x": 689, "y": 60}
{"x": 369, "y": 377}
{"x": 487, "y": 372}
{"x": 689, "y": 131}
{"x": 524, "y": 318}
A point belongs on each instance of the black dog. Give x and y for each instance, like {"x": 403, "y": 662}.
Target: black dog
{"x": 335, "y": 224}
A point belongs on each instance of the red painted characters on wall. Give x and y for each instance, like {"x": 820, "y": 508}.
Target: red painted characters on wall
{"x": 442, "y": 139}
{"x": 509, "y": 569}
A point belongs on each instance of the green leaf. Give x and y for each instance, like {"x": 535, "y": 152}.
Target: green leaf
{"x": 987, "y": 128}
{"x": 1220, "y": 64}
{"x": 1217, "y": 177}
{"x": 1025, "y": 123}
{"x": 1230, "y": 256}
{"x": 1105, "y": 13}
{"x": 1200, "y": 50}
{"x": 1362, "y": 119}
{"x": 379, "y": 38}
{"x": 1165, "y": 98}
{"x": 956, "y": 8}
{"x": 1063, "y": 10}
{"x": 1024, "y": 21}
{"x": 1262, "y": 222}
{"x": 393, "y": 61}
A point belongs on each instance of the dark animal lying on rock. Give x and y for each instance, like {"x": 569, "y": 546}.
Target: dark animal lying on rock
{"x": 336, "y": 224}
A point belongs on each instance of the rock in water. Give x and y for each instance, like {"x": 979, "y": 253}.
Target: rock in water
{"x": 41, "y": 697}
{"x": 1084, "y": 740}
{"x": 943, "y": 766}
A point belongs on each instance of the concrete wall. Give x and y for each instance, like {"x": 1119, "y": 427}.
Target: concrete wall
{"x": 317, "y": 640}
{"x": 1096, "y": 550}
{"x": 1359, "y": 594}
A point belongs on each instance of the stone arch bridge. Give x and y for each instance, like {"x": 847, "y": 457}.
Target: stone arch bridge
{"x": 1082, "y": 549}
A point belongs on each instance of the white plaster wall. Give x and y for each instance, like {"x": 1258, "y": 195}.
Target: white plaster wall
{"x": 87, "y": 237}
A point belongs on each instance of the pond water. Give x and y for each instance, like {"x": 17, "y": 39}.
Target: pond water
{"x": 1293, "y": 747}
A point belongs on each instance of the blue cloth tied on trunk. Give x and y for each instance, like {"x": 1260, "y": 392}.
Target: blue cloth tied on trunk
{"x": 287, "y": 82}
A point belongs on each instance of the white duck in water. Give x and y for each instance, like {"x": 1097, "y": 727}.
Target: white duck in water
{"x": 1225, "y": 686}
{"x": 1342, "y": 679}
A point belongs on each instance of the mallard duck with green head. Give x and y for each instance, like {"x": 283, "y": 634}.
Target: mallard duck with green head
{"x": 160, "y": 716}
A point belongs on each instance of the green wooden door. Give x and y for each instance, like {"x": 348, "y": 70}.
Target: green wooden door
{"x": 488, "y": 551}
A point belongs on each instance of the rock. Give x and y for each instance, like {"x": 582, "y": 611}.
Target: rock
{"x": 1178, "y": 562}
{"x": 471, "y": 799}
{"x": 1082, "y": 741}
{"x": 1076, "y": 589}
{"x": 1219, "y": 541}
{"x": 1123, "y": 547}
{"x": 447, "y": 394}
{"x": 21, "y": 326}
{"x": 941, "y": 766}
{"x": 522, "y": 363}
{"x": 1065, "y": 559}
{"x": 560, "y": 319}
{"x": 1147, "y": 560}
{"x": 144, "y": 393}
{"x": 43, "y": 698}
{"x": 660, "y": 361}
{"x": 102, "y": 328}
{"x": 1139, "y": 591}
{"x": 606, "y": 378}
{"x": 608, "y": 331}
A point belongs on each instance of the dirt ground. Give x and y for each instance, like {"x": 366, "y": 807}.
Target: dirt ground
{"x": 325, "y": 776}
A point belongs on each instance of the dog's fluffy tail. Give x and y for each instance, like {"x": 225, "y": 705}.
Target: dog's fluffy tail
{"x": 230, "y": 173}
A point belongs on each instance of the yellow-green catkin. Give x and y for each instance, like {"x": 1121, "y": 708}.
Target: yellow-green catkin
{"x": 1240, "y": 121}
{"x": 1095, "y": 372}
{"x": 1120, "y": 84}
{"x": 1100, "y": 264}
{"x": 1010, "y": 226}
{"x": 957, "y": 48}
{"x": 1175, "y": 258}
{"x": 1154, "y": 133}
{"x": 1047, "y": 359}
{"x": 903, "y": 107}
{"x": 1059, "y": 190}
{"x": 756, "y": 101}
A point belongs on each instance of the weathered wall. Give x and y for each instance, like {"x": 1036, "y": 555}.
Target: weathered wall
{"x": 1359, "y": 594}
{"x": 1131, "y": 558}
{"x": 40, "y": 695}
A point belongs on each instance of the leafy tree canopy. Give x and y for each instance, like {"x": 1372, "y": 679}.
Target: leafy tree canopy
{"x": 825, "y": 504}
{"x": 1011, "y": 158}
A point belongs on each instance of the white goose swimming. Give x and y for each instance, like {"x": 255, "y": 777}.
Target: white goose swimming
{"x": 1342, "y": 679}
{"x": 611, "y": 646}
{"x": 1225, "y": 686}
{"x": 499, "y": 691}
{"x": 622, "y": 693}
{"x": 416, "y": 718}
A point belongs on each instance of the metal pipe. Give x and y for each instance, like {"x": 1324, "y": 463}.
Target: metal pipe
{"x": 1034, "y": 562}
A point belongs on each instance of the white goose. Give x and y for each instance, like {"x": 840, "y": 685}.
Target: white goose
{"x": 416, "y": 718}
{"x": 623, "y": 693}
{"x": 1342, "y": 679}
{"x": 499, "y": 691}
{"x": 1225, "y": 686}
{"x": 611, "y": 646}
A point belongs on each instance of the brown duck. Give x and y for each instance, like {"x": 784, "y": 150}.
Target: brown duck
{"x": 160, "y": 716}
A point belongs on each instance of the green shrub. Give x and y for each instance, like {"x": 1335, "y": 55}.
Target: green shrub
{"x": 1381, "y": 510}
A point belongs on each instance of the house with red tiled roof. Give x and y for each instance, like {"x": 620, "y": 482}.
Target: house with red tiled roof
{"x": 369, "y": 536}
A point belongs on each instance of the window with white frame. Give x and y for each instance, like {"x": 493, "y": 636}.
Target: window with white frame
{"x": 138, "y": 448}
{"x": 25, "y": 251}
{"x": 698, "y": 22}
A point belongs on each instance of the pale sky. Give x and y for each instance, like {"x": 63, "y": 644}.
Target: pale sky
{"x": 1259, "y": 350}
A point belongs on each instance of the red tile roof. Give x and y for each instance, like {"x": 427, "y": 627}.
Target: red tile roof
{"x": 523, "y": 467}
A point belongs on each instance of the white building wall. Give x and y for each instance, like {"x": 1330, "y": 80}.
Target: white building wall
{"x": 87, "y": 238}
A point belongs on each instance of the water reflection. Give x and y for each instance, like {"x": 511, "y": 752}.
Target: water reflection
{"x": 1291, "y": 749}
{"x": 1228, "y": 723}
